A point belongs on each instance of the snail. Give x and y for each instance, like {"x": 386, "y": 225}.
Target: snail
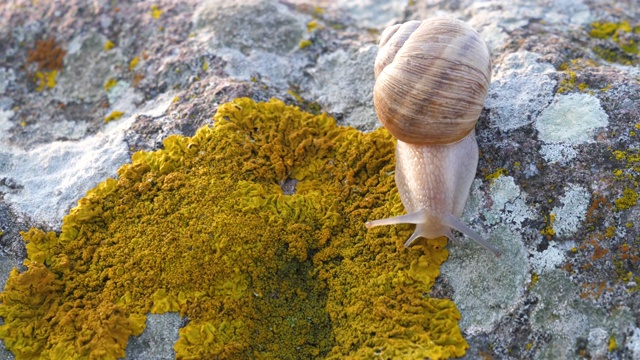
{"x": 431, "y": 81}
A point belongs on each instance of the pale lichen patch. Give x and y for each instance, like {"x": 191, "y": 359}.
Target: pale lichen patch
{"x": 571, "y": 119}
{"x": 520, "y": 89}
{"x": 573, "y": 211}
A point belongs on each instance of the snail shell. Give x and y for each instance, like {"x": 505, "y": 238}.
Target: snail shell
{"x": 431, "y": 81}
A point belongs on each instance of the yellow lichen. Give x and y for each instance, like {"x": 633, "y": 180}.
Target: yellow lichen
{"x": 114, "y": 115}
{"x": 629, "y": 198}
{"x": 548, "y": 231}
{"x": 204, "y": 228}
{"x": 110, "y": 84}
{"x": 623, "y": 34}
{"x": 312, "y": 25}
{"x": 604, "y": 30}
{"x": 134, "y": 62}
{"x": 496, "y": 174}
{"x": 612, "y": 344}
{"x": 45, "y": 80}
{"x": 567, "y": 83}
{"x": 534, "y": 279}
{"x": 109, "y": 45}
{"x": 156, "y": 12}
{"x": 305, "y": 43}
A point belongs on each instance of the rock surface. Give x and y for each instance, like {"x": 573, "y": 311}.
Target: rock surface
{"x": 556, "y": 187}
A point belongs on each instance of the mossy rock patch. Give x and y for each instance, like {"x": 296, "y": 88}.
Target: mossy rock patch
{"x": 204, "y": 228}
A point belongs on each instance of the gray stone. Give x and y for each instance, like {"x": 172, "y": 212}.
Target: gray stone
{"x": 520, "y": 89}
{"x": 157, "y": 339}
{"x": 571, "y": 119}
{"x": 87, "y": 68}
{"x": 555, "y": 151}
{"x": 342, "y": 82}
{"x": 250, "y": 25}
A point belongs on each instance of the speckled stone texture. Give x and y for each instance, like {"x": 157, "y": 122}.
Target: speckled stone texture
{"x": 556, "y": 187}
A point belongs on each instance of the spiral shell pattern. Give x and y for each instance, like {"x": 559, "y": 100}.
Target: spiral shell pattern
{"x": 431, "y": 80}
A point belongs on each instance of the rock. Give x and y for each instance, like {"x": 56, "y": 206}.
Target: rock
{"x": 342, "y": 83}
{"x": 556, "y": 188}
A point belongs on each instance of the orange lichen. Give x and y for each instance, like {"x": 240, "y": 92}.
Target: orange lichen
{"x": 49, "y": 58}
{"x": 47, "y": 54}
{"x": 204, "y": 228}
{"x": 136, "y": 79}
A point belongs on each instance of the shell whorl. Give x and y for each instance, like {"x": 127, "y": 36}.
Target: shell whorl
{"x": 431, "y": 80}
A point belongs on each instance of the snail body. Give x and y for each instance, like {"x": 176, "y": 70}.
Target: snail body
{"x": 431, "y": 81}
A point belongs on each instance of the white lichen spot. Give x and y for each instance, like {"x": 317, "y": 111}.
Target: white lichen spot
{"x": 558, "y": 153}
{"x": 571, "y": 119}
{"x": 374, "y": 13}
{"x": 5, "y": 124}
{"x": 63, "y": 130}
{"x": 598, "y": 343}
{"x": 342, "y": 82}
{"x": 573, "y": 211}
{"x": 6, "y": 78}
{"x": 509, "y": 203}
{"x": 520, "y": 89}
{"x": 567, "y": 11}
{"x": 485, "y": 287}
{"x": 121, "y": 89}
{"x": 492, "y": 34}
{"x": 543, "y": 262}
{"x": 633, "y": 343}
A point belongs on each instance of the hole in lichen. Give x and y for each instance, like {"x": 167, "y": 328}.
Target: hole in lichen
{"x": 289, "y": 186}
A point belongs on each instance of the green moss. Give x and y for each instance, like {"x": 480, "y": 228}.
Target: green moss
{"x": 569, "y": 75}
{"x": 568, "y": 83}
{"x": 204, "y": 228}
{"x": 613, "y": 56}
{"x": 622, "y": 34}
{"x": 604, "y": 30}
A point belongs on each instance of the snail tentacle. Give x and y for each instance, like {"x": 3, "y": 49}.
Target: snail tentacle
{"x": 451, "y": 221}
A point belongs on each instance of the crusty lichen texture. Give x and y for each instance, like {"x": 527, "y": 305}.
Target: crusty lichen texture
{"x": 204, "y": 228}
